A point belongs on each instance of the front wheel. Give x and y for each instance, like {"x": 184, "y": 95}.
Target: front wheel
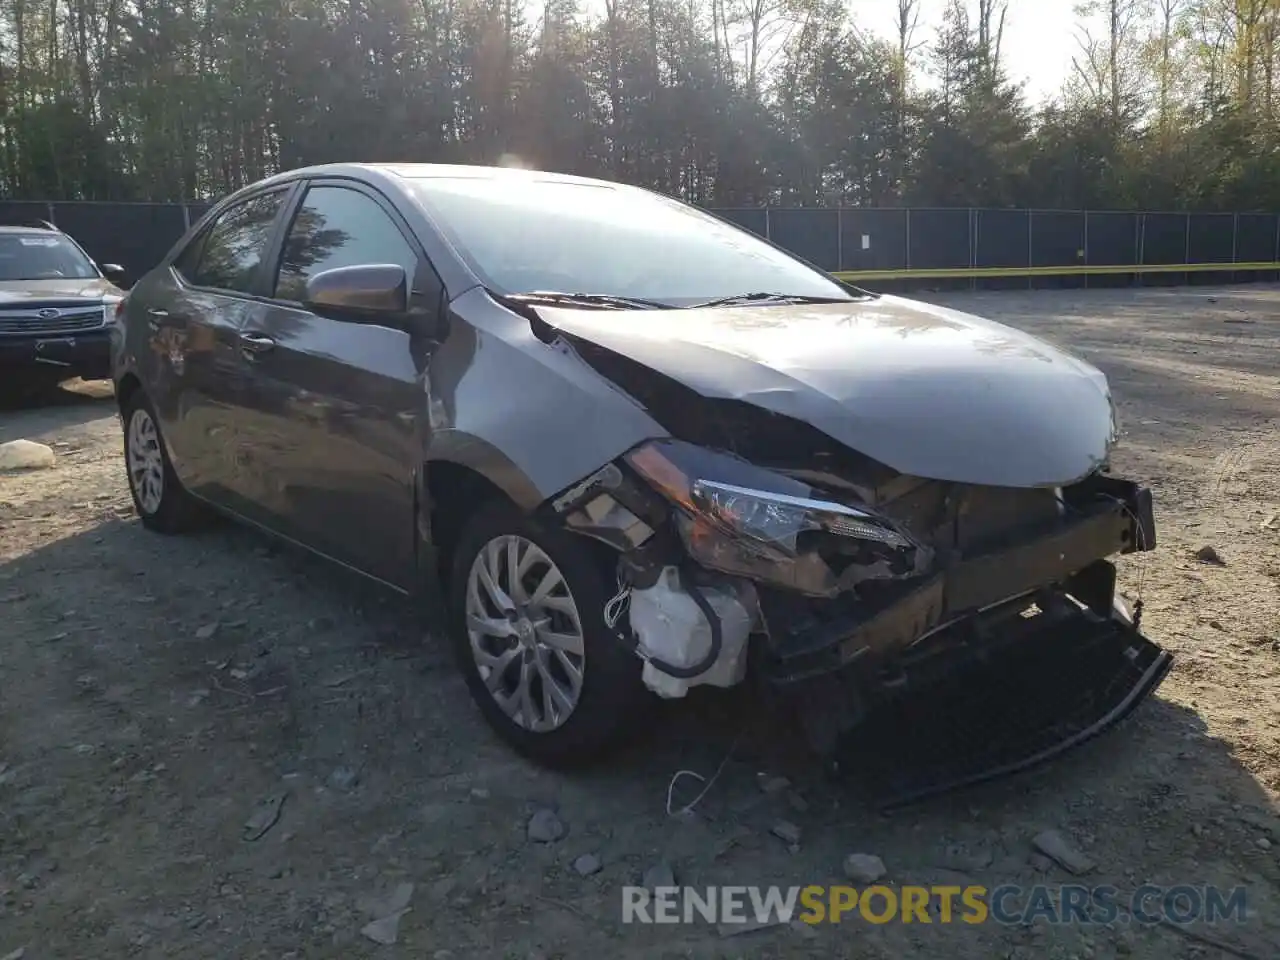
{"x": 159, "y": 498}
{"x": 527, "y": 607}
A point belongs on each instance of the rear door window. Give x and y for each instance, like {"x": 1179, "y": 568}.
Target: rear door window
{"x": 232, "y": 250}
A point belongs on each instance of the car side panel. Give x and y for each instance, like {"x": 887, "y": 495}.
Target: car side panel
{"x": 529, "y": 415}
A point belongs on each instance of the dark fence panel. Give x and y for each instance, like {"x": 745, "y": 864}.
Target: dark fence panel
{"x": 754, "y": 219}
{"x": 1111, "y": 238}
{"x": 873, "y": 239}
{"x": 1002, "y": 238}
{"x": 22, "y": 211}
{"x": 1057, "y": 238}
{"x": 1164, "y": 238}
{"x": 939, "y": 239}
{"x": 1256, "y": 238}
{"x": 811, "y": 233}
{"x": 1211, "y": 238}
{"x": 134, "y": 235}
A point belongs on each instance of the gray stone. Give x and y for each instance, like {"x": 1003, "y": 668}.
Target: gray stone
{"x": 1055, "y": 846}
{"x": 546, "y": 827}
{"x": 786, "y": 831}
{"x": 659, "y": 875}
{"x": 587, "y": 864}
{"x": 864, "y": 867}
{"x": 344, "y": 778}
{"x": 385, "y": 930}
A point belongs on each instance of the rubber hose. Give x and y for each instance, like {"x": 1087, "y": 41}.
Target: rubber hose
{"x": 717, "y": 638}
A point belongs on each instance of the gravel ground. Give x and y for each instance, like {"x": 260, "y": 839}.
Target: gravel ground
{"x": 158, "y": 694}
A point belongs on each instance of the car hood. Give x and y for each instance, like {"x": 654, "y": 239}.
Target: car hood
{"x": 927, "y": 391}
{"x": 18, "y": 292}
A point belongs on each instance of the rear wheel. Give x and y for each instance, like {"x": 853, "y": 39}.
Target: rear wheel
{"x": 158, "y": 497}
{"x": 527, "y": 607}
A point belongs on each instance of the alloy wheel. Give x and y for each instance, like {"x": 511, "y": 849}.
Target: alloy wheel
{"x": 525, "y": 633}
{"x": 145, "y": 461}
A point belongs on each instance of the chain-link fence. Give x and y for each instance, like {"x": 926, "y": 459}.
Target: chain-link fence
{"x": 1068, "y": 246}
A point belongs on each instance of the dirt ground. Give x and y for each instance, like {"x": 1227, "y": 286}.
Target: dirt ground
{"x": 155, "y": 691}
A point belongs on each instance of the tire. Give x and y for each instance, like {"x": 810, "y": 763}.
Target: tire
{"x": 159, "y": 498}
{"x": 610, "y": 695}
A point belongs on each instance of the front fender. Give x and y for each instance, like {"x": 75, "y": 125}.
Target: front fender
{"x": 530, "y": 416}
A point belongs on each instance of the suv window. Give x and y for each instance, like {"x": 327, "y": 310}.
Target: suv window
{"x": 42, "y": 256}
{"x": 233, "y": 247}
{"x": 338, "y": 227}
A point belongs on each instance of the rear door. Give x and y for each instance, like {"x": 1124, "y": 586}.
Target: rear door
{"x": 194, "y": 366}
{"x": 342, "y": 397}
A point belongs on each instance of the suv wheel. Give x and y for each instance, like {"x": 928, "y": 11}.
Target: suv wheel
{"x": 527, "y": 608}
{"x": 158, "y": 497}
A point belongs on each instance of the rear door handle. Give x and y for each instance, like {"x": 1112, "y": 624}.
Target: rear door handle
{"x": 256, "y": 343}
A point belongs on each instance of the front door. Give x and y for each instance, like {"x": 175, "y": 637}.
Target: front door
{"x": 342, "y": 397}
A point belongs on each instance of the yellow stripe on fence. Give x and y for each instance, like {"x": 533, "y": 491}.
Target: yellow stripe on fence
{"x": 979, "y": 272}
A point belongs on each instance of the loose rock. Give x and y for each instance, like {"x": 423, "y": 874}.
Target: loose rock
{"x": 207, "y": 631}
{"x": 786, "y": 831}
{"x": 1264, "y": 843}
{"x": 25, "y": 455}
{"x": 659, "y": 875}
{"x": 265, "y": 816}
{"x": 1208, "y": 554}
{"x": 1040, "y": 863}
{"x": 587, "y": 864}
{"x": 546, "y": 827}
{"x": 772, "y": 785}
{"x": 1055, "y": 846}
{"x": 344, "y": 778}
{"x": 864, "y": 867}
{"x": 385, "y": 931}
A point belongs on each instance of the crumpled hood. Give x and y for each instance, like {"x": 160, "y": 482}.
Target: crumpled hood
{"x": 925, "y": 390}
{"x": 18, "y": 292}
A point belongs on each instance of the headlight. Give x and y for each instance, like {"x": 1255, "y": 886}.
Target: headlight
{"x": 745, "y": 520}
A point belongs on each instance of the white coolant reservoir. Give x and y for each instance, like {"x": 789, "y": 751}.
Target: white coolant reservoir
{"x": 671, "y": 627}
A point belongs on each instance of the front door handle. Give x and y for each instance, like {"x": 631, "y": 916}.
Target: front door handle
{"x": 256, "y": 343}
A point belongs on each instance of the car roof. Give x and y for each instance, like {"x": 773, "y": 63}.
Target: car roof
{"x": 428, "y": 171}
{"x": 8, "y": 228}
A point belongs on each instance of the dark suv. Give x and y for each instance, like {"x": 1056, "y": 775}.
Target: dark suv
{"x": 55, "y": 304}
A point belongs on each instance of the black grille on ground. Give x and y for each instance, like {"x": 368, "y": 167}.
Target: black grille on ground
{"x": 993, "y": 717}
{"x": 28, "y": 321}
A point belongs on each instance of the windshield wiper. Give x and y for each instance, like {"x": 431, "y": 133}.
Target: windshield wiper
{"x": 586, "y": 299}
{"x": 764, "y": 297}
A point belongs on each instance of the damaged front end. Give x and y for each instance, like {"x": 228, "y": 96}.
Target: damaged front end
{"x": 853, "y": 592}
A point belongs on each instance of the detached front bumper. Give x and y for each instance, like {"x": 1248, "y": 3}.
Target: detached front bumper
{"x": 84, "y": 354}
{"x": 809, "y": 638}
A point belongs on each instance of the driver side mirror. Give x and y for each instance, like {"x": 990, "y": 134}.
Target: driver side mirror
{"x": 375, "y": 292}
{"x": 113, "y": 272}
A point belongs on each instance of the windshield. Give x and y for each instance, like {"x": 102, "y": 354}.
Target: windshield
{"x": 35, "y": 256}
{"x": 521, "y": 235}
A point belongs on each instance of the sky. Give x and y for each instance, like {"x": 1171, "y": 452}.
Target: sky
{"x": 1039, "y": 36}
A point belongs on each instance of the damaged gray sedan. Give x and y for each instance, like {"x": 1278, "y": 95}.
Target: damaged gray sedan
{"x": 633, "y": 449}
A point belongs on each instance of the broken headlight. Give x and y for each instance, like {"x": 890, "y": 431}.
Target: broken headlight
{"x": 748, "y": 521}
